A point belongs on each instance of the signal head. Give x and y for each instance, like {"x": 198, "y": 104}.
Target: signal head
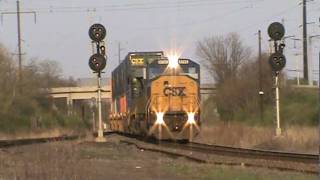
{"x": 97, "y": 32}
{"x": 276, "y": 31}
{"x": 277, "y": 61}
{"x": 97, "y": 62}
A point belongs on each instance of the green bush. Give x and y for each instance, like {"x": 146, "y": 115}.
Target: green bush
{"x": 300, "y": 106}
{"x": 297, "y": 107}
{"x": 24, "y": 103}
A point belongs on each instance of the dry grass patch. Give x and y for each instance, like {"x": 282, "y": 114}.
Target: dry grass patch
{"x": 294, "y": 139}
{"x": 41, "y": 133}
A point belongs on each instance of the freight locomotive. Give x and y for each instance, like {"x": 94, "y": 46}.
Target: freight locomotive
{"x": 158, "y": 96}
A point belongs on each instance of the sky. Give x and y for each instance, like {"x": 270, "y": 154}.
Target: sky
{"x": 60, "y": 32}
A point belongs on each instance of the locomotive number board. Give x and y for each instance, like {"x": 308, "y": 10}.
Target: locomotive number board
{"x": 183, "y": 61}
{"x": 137, "y": 60}
{"x": 180, "y": 61}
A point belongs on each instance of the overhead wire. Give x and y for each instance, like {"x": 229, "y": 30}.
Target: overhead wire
{"x": 133, "y": 6}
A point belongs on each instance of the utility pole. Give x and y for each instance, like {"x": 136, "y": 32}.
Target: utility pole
{"x": 304, "y": 35}
{"x": 119, "y": 52}
{"x": 261, "y": 93}
{"x": 19, "y": 40}
{"x": 18, "y": 12}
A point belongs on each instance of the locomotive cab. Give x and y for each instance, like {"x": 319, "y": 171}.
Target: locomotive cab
{"x": 174, "y": 92}
{"x": 152, "y": 96}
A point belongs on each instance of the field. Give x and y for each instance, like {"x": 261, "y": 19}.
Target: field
{"x": 115, "y": 160}
{"x": 294, "y": 139}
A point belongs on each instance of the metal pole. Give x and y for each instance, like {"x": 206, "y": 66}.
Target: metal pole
{"x": 19, "y": 41}
{"x": 310, "y": 80}
{"x": 119, "y": 52}
{"x": 18, "y": 13}
{"x": 297, "y": 69}
{"x": 100, "y": 137}
{"x": 260, "y": 78}
{"x": 278, "y": 130}
{"x": 304, "y": 35}
{"x": 93, "y": 105}
{"x": 93, "y": 121}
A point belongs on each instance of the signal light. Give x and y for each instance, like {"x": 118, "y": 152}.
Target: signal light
{"x": 97, "y": 62}
{"x": 103, "y": 50}
{"x": 276, "y": 31}
{"x": 277, "y": 61}
{"x": 97, "y": 32}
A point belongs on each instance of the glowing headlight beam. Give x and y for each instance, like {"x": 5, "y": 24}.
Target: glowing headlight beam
{"x": 191, "y": 119}
{"x": 159, "y": 120}
{"x": 173, "y": 61}
{"x": 158, "y": 125}
{"x": 191, "y": 122}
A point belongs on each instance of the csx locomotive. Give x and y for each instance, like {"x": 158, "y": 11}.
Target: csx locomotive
{"x": 155, "y": 95}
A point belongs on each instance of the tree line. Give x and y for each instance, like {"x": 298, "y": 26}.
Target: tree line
{"x": 235, "y": 71}
{"x": 24, "y": 103}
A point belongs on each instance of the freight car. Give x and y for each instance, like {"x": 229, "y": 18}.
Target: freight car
{"x": 155, "y": 95}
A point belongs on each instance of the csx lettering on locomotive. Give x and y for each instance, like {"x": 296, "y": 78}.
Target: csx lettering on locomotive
{"x": 174, "y": 91}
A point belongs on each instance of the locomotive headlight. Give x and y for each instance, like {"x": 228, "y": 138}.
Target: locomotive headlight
{"x": 173, "y": 61}
{"x": 160, "y": 120}
{"x": 191, "y": 119}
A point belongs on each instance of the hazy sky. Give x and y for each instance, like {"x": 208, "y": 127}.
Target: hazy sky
{"x": 61, "y": 30}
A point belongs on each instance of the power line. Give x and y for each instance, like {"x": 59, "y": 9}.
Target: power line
{"x": 193, "y": 23}
{"x": 268, "y": 18}
{"x": 135, "y": 6}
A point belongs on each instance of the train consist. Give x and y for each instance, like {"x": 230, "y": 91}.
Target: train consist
{"x": 155, "y": 95}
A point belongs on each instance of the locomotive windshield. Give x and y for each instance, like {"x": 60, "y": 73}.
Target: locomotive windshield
{"x": 156, "y": 71}
{"x": 190, "y": 71}
{"x": 190, "y": 68}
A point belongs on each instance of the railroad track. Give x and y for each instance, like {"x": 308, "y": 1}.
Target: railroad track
{"x": 20, "y": 142}
{"x": 246, "y": 153}
{"x": 233, "y": 151}
{"x": 225, "y": 155}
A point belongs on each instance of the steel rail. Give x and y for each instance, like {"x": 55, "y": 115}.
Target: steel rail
{"x": 192, "y": 157}
{"x": 247, "y": 153}
{"x": 255, "y": 153}
{"x": 232, "y": 151}
{"x": 20, "y": 142}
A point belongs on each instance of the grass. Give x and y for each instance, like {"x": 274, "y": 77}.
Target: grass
{"x": 113, "y": 160}
{"x": 209, "y": 172}
{"x": 294, "y": 139}
{"x": 45, "y": 122}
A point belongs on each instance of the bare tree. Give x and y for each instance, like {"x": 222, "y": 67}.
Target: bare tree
{"x": 223, "y": 56}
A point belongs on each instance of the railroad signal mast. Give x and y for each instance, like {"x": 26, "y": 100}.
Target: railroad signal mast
{"x": 277, "y": 61}
{"x": 97, "y": 62}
